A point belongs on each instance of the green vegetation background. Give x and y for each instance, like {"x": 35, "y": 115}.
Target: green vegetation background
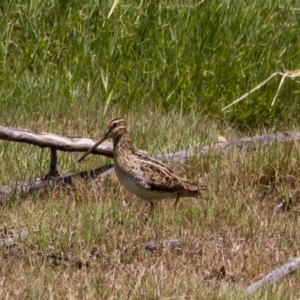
{"x": 68, "y": 59}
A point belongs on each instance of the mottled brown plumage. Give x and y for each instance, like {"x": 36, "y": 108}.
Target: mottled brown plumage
{"x": 143, "y": 175}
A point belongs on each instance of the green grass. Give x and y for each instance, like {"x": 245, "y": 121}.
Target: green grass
{"x": 183, "y": 54}
{"x": 168, "y": 67}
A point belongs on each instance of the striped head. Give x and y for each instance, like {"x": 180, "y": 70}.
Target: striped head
{"x": 114, "y": 128}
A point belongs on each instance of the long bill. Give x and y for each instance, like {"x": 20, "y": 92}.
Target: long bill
{"x": 92, "y": 149}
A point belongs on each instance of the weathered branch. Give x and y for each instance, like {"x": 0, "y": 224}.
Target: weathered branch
{"x": 53, "y": 141}
{"x": 244, "y": 143}
{"x": 38, "y": 183}
{"x": 82, "y": 144}
{"x": 276, "y": 274}
{"x": 173, "y": 244}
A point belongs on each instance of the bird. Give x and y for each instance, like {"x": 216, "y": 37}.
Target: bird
{"x": 146, "y": 177}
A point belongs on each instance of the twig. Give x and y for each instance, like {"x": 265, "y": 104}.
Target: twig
{"x": 172, "y": 244}
{"x": 253, "y": 90}
{"x": 180, "y": 243}
{"x": 290, "y": 74}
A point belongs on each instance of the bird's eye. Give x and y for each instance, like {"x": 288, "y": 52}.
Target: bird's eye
{"x": 115, "y": 124}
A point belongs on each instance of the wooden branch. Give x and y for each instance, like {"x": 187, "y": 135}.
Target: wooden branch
{"x": 197, "y": 242}
{"x": 53, "y": 141}
{"x": 282, "y": 271}
{"x": 82, "y": 144}
{"x": 38, "y": 183}
{"x": 244, "y": 143}
{"x": 173, "y": 244}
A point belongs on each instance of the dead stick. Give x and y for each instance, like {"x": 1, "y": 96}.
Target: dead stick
{"x": 198, "y": 242}
{"x": 82, "y": 144}
{"x": 173, "y": 244}
{"x": 38, "y": 183}
{"x": 276, "y": 274}
{"x": 53, "y": 141}
{"x": 56, "y": 142}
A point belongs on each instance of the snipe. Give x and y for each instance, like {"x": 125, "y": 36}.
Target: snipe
{"x": 143, "y": 175}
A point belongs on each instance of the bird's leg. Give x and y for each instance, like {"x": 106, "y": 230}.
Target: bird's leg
{"x": 176, "y": 200}
{"x": 151, "y": 207}
{"x": 150, "y": 212}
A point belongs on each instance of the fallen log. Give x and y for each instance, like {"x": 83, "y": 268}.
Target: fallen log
{"x": 82, "y": 144}
{"x": 38, "y": 183}
{"x": 243, "y": 143}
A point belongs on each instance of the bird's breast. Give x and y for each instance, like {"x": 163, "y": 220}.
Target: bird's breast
{"x": 133, "y": 181}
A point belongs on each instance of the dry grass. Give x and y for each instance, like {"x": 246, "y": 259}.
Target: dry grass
{"x": 90, "y": 240}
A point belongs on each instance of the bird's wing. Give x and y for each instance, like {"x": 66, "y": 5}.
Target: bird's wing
{"x": 161, "y": 177}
